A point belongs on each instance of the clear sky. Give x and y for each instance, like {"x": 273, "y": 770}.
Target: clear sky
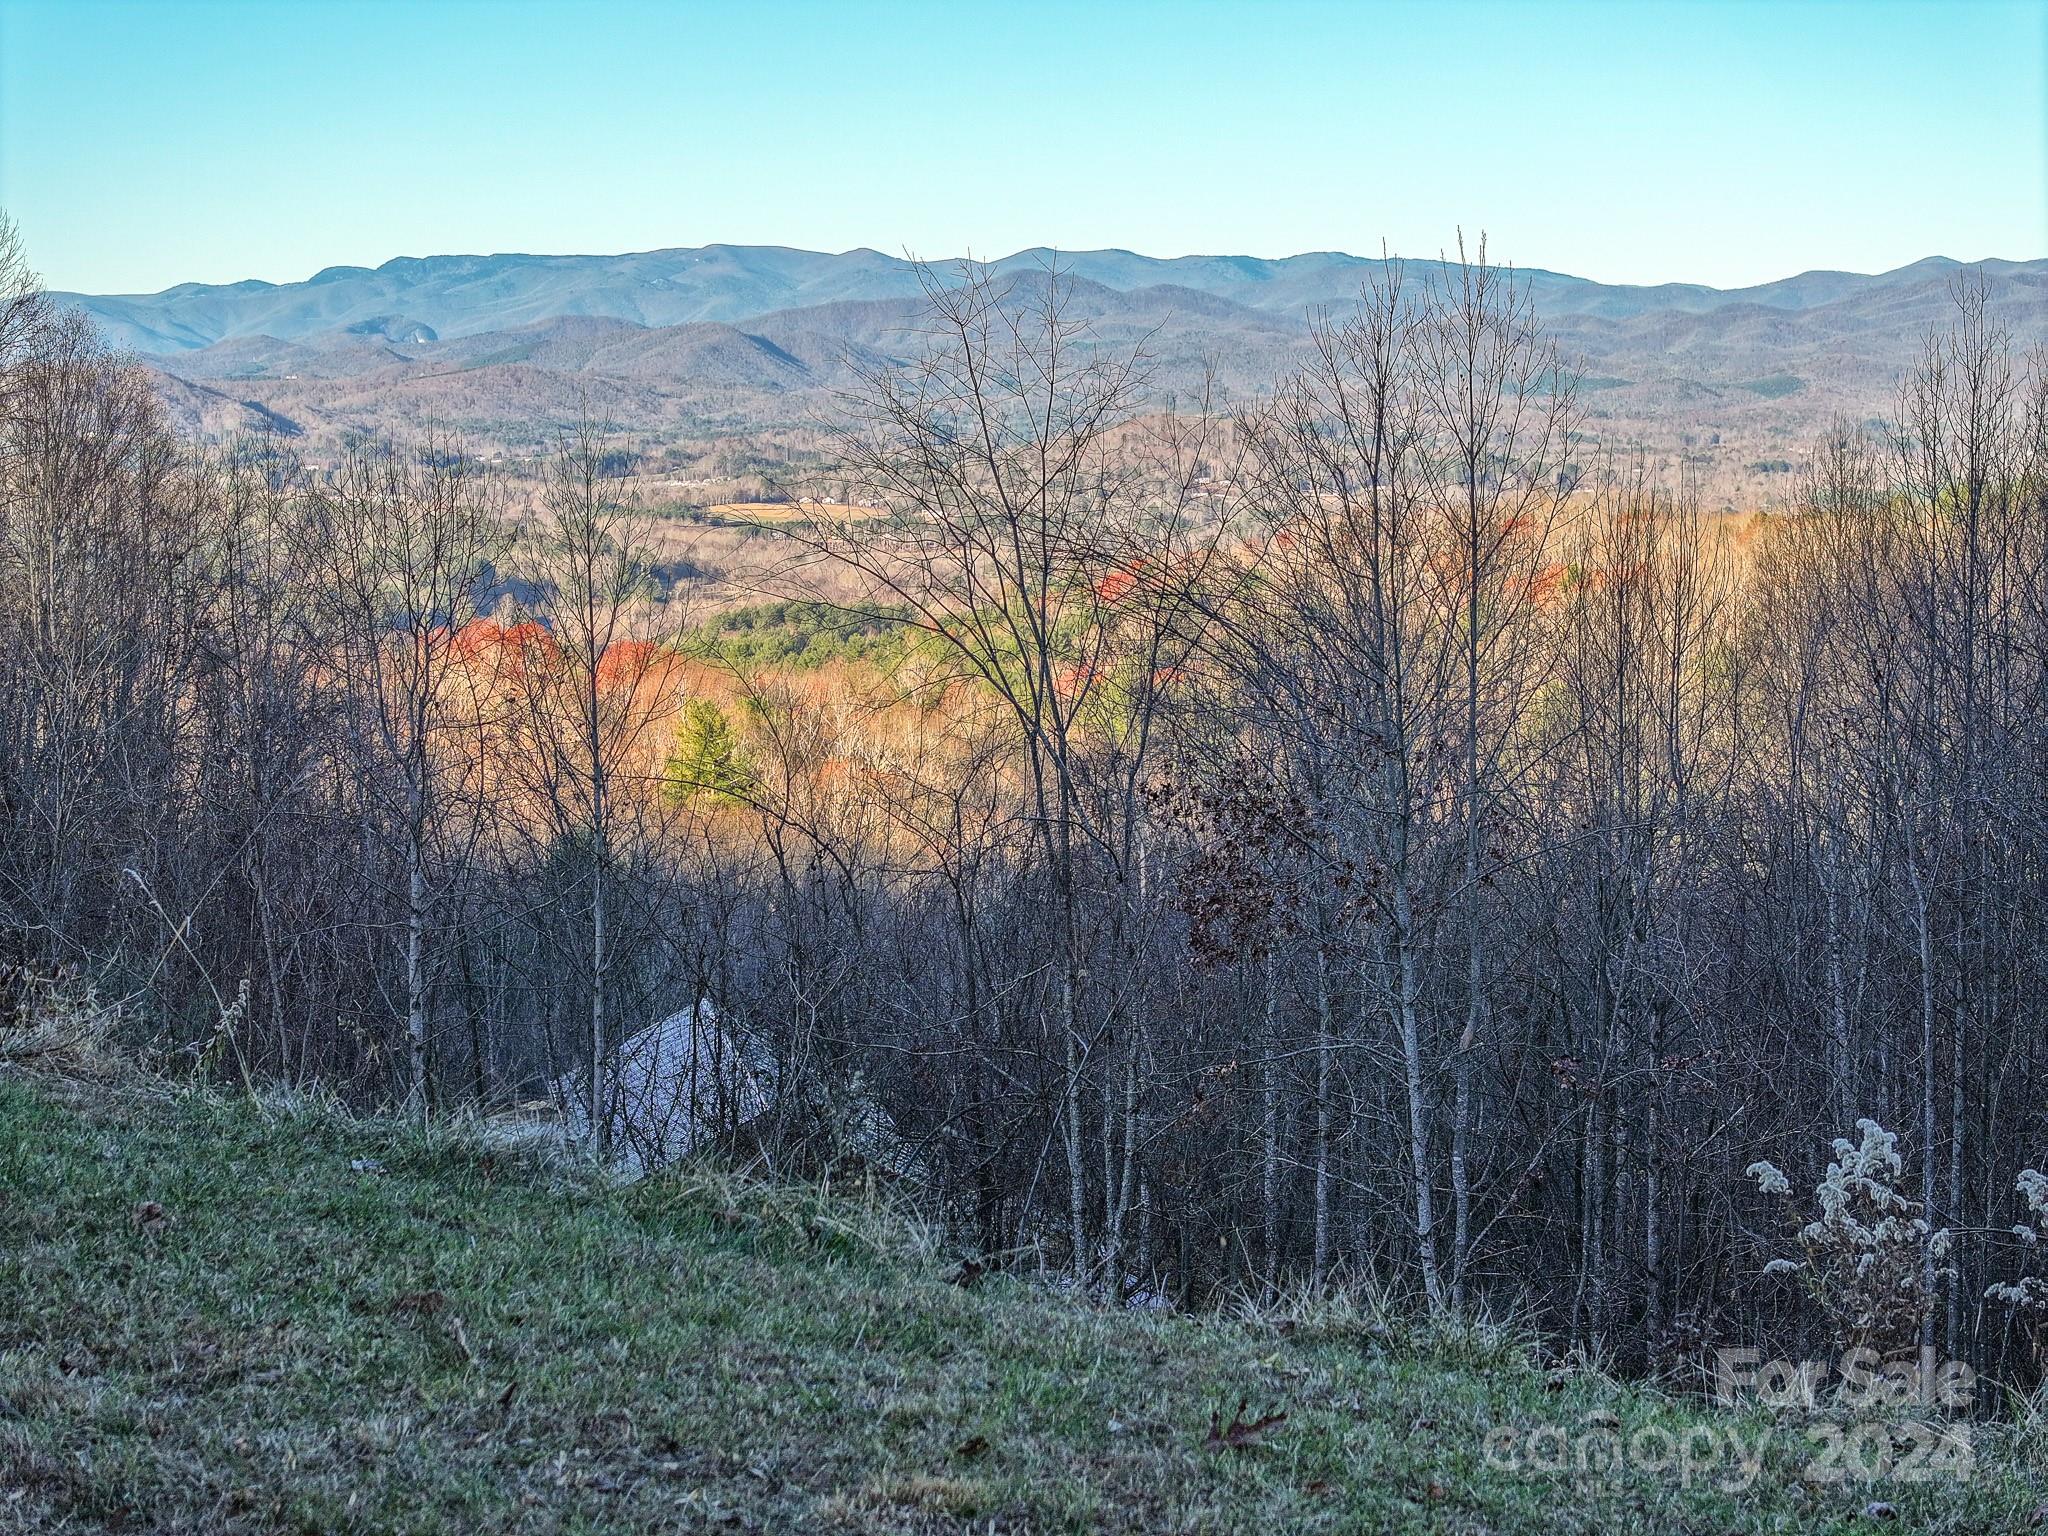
{"x": 145, "y": 142}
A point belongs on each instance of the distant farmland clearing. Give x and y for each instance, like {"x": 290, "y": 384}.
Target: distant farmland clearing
{"x": 773, "y": 512}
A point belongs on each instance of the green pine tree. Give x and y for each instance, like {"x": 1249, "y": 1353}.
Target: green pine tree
{"x": 709, "y": 758}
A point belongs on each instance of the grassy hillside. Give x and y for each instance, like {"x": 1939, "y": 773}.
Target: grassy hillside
{"x": 216, "y": 1316}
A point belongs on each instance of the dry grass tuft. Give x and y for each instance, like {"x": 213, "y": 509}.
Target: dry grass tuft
{"x": 859, "y": 1218}
{"x": 56, "y": 1023}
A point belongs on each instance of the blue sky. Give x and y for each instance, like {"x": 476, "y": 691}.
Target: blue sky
{"x": 144, "y": 142}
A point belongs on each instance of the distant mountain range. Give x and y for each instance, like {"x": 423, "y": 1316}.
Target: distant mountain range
{"x": 729, "y": 338}
{"x": 422, "y": 298}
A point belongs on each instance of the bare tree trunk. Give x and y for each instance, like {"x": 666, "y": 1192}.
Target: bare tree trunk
{"x": 1928, "y": 1068}
{"x": 600, "y": 1073}
{"x": 1145, "y": 1257}
{"x": 1594, "y": 1273}
{"x": 1838, "y": 1003}
{"x": 1653, "y": 1207}
{"x": 415, "y": 977}
{"x": 1269, "y": 1137}
{"x": 1475, "y": 978}
{"x": 1123, "y": 1176}
{"x": 1461, "y": 1182}
{"x": 1077, "y": 1189}
{"x": 1953, "y": 1216}
{"x": 1410, "y": 1025}
{"x": 1325, "y": 1050}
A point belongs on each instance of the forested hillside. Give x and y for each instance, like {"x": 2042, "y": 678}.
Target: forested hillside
{"x": 1198, "y": 847}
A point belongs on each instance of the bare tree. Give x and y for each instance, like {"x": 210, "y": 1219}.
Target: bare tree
{"x": 1498, "y": 421}
{"x": 591, "y": 699}
{"x": 1002, "y": 495}
{"x": 404, "y": 541}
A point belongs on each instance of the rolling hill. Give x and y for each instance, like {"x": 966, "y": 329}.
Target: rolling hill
{"x": 687, "y": 344}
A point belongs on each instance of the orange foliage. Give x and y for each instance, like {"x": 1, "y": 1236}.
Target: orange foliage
{"x": 624, "y": 663}
{"x": 1072, "y": 682}
{"x": 531, "y": 639}
{"x": 500, "y": 650}
{"x": 1119, "y": 583}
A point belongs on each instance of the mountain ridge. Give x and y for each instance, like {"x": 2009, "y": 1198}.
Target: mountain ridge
{"x": 719, "y": 343}
{"x": 457, "y": 294}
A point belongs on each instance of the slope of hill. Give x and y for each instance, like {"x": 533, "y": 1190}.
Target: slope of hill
{"x": 228, "y": 1316}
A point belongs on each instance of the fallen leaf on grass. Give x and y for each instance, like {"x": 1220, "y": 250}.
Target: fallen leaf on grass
{"x": 435, "y": 1304}
{"x": 1239, "y": 1433}
{"x": 79, "y": 1362}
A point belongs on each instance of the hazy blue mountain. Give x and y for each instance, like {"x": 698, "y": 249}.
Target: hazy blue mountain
{"x": 691, "y": 345}
{"x": 412, "y": 300}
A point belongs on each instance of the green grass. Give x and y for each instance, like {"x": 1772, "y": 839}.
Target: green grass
{"x": 469, "y": 1342}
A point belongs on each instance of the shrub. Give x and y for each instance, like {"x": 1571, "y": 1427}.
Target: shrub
{"x": 1864, "y": 1256}
{"x": 2029, "y": 1293}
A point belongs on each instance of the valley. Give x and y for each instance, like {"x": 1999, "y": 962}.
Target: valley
{"x": 727, "y": 357}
